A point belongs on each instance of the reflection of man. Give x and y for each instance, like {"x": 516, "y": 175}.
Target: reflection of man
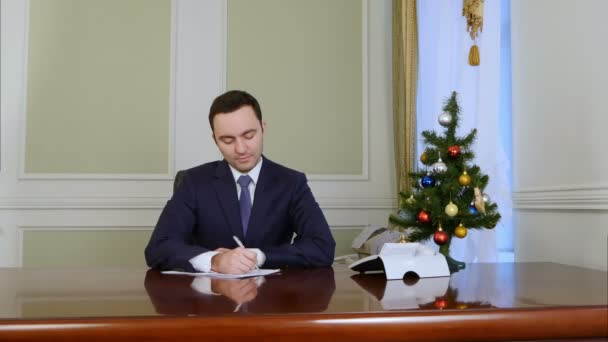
{"x": 173, "y": 295}
{"x": 296, "y": 290}
{"x": 238, "y": 290}
{"x": 245, "y": 195}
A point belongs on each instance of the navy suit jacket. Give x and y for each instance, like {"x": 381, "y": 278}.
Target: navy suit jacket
{"x": 204, "y": 215}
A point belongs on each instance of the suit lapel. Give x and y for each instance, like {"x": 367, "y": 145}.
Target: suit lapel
{"x": 225, "y": 188}
{"x": 261, "y": 203}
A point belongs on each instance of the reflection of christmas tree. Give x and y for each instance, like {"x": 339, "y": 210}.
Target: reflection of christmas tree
{"x": 448, "y": 196}
{"x": 450, "y": 301}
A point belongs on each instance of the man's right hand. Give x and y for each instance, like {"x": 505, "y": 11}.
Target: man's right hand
{"x": 233, "y": 261}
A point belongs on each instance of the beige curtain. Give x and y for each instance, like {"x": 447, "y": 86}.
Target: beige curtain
{"x": 405, "y": 70}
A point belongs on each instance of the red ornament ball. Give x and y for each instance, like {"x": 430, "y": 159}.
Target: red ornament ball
{"x": 440, "y": 237}
{"x": 454, "y": 151}
{"x": 441, "y": 303}
{"x": 424, "y": 217}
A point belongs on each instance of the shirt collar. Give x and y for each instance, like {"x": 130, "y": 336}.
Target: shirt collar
{"x": 253, "y": 173}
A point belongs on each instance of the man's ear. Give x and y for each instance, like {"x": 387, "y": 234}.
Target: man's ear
{"x": 213, "y": 137}
{"x": 263, "y": 126}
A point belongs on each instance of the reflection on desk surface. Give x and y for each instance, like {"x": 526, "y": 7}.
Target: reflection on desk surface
{"x": 292, "y": 291}
{"x": 45, "y": 293}
{"x": 414, "y": 293}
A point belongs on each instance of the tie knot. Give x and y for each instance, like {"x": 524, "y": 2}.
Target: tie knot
{"x": 244, "y": 181}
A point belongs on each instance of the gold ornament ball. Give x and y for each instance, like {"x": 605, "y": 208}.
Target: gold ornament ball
{"x": 451, "y": 209}
{"x": 460, "y": 231}
{"x": 423, "y": 158}
{"x": 464, "y": 179}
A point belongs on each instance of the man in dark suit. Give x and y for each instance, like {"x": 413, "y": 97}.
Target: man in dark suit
{"x": 245, "y": 195}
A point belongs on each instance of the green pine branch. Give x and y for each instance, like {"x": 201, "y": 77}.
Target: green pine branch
{"x": 451, "y": 106}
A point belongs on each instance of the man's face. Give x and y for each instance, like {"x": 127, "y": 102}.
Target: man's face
{"x": 239, "y": 136}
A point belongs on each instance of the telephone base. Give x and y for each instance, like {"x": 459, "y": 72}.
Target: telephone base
{"x": 397, "y": 259}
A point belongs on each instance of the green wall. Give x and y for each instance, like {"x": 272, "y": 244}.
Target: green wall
{"x": 303, "y": 61}
{"x": 115, "y": 248}
{"x": 119, "y": 247}
{"x": 98, "y": 88}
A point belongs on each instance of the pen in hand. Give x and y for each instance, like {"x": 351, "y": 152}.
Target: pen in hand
{"x": 238, "y": 242}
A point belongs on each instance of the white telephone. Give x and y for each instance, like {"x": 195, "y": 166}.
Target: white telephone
{"x": 397, "y": 259}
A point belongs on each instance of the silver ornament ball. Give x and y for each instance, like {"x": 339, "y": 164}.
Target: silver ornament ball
{"x": 485, "y": 198}
{"x": 440, "y": 167}
{"x": 445, "y": 119}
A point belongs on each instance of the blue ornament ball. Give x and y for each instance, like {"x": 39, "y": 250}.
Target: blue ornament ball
{"x": 472, "y": 209}
{"x": 427, "y": 181}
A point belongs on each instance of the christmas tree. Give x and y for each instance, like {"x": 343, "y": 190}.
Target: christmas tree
{"x": 447, "y": 198}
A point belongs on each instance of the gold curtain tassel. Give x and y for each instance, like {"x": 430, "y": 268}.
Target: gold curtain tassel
{"x": 474, "y": 55}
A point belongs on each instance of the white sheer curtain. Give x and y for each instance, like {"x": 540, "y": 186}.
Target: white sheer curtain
{"x": 484, "y": 98}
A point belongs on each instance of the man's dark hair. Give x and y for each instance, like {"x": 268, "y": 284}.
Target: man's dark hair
{"x": 232, "y": 100}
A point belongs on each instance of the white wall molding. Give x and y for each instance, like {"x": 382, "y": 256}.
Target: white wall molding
{"x": 83, "y": 202}
{"x": 200, "y": 74}
{"x": 22, "y": 110}
{"x": 356, "y": 203}
{"x": 327, "y": 177}
{"x": 568, "y": 197}
{"x": 158, "y": 202}
{"x": 82, "y": 228}
{"x": 97, "y": 176}
{"x": 344, "y": 227}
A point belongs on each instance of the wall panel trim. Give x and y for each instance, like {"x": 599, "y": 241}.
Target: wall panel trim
{"x": 582, "y": 197}
{"x": 158, "y": 202}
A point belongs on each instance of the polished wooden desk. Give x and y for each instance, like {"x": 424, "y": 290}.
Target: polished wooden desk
{"x": 484, "y": 302}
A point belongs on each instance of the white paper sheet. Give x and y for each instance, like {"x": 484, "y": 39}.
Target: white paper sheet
{"x": 254, "y": 273}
